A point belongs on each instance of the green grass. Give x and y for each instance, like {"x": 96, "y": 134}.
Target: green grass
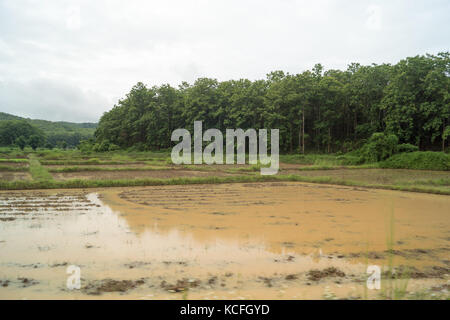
{"x": 444, "y": 182}
{"x": 12, "y": 160}
{"x": 333, "y": 167}
{"x": 73, "y": 159}
{"x": 320, "y": 159}
{"x": 249, "y": 168}
{"x": 395, "y": 283}
{"x": 13, "y": 168}
{"x": 38, "y": 172}
{"x": 77, "y": 183}
{"x": 420, "y": 160}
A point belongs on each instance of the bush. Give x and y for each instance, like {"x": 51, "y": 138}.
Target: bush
{"x": 102, "y": 146}
{"x": 138, "y": 147}
{"x": 420, "y": 160}
{"x": 379, "y": 147}
{"x": 406, "y": 147}
{"x": 113, "y": 147}
{"x": 348, "y": 160}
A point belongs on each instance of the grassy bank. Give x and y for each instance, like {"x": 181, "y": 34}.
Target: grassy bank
{"x": 419, "y": 160}
{"x": 12, "y": 160}
{"x": 52, "y": 184}
{"x": 38, "y": 172}
{"x": 13, "y": 168}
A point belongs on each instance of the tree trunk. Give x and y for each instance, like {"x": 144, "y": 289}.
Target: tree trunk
{"x": 291, "y": 138}
{"x": 443, "y": 140}
{"x": 303, "y": 131}
{"x": 329, "y": 139}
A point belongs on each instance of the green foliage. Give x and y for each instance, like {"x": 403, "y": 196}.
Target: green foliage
{"x": 406, "y": 147}
{"x": 321, "y": 159}
{"x": 21, "y": 141}
{"x": 379, "y": 147}
{"x": 86, "y": 146}
{"x": 12, "y": 168}
{"x": 35, "y": 141}
{"x": 14, "y": 160}
{"x": 427, "y": 160}
{"x": 315, "y": 111}
{"x": 19, "y": 132}
{"x": 38, "y": 172}
{"x": 56, "y": 133}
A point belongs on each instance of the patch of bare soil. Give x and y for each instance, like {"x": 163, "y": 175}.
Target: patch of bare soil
{"x": 14, "y": 164}
{"x": 125, "y": 165}
{"x": 14, "y": 176}
{"x": 290, "y": 166}
{"x": 115, "y": 175}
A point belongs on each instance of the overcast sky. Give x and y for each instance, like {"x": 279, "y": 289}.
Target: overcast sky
{"x": 72, "y": 60}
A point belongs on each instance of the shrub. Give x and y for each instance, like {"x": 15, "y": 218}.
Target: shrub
{"x": 406, "y": 147}
{"x": 113, "y": 147}
{"x": 138, "y": 147}
{"x": 102, "y": 146}
{"x": 421, "y": 160}
{"x": 348, "y": 160}
{"x": 379, "y": 147}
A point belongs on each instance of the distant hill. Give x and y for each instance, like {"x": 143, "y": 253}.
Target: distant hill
{"x": 43, "y": 124}
{"x": 57, "y": 132}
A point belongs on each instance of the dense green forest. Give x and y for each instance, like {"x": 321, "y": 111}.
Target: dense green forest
{"x": 21, "y": 132}
{"x": 316, "y": 110}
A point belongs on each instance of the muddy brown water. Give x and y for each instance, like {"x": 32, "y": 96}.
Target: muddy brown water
{"x": 229, "y": 241}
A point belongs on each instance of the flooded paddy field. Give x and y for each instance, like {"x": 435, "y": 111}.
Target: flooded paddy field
{"x": 272, "y": 240}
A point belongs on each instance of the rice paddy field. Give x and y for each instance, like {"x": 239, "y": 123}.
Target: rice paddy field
{"x": 140, "y": 227}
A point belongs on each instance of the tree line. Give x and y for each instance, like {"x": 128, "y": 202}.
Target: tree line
{"x": 21, "y": 132}
{"x": 317, "y": 110}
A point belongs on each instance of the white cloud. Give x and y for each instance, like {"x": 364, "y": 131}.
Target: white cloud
{"x": 374, "y": 17}
{"x": 73, "y": 20}
{"x": 51, "y": 100}
{"x": 99, "y": 49}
